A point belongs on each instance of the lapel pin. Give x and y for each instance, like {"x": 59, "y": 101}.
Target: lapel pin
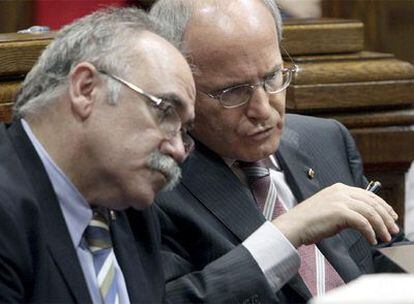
{"x": 311, "y": 173}
{"x": 113, "y": 215}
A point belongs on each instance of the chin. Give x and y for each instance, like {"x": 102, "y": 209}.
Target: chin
{"x": 142, "y": 203}
{"x": 255, "y": 153}
{"x": 140, "y": 200}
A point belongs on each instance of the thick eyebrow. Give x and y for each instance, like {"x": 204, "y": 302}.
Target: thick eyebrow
{"x": 173, "y": 98}
{"x": 277, "y": 67}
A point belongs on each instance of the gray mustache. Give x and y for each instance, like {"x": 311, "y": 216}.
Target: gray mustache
{"x": 166, "y": 165}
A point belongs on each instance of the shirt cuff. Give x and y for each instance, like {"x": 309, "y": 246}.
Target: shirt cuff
{"x": 275, "y": 255}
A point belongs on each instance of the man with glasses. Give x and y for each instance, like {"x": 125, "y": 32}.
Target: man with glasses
{"x": 99, "y": 126}
{"x": 252, "y": 196}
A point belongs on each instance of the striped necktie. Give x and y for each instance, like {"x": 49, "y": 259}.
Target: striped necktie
{"x": 315, "y": 270}
{"x": 98, "y": 239}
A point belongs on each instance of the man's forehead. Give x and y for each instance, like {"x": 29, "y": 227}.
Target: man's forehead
{"x": 246, "y": 51}
{"x": 154, "y": 50}
{"x": 214, "y": 33}
{"x": 230, "y": 17}
{"x": 158, "y": 62}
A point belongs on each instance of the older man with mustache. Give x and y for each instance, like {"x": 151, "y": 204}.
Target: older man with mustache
{"x": 99, "y": 126}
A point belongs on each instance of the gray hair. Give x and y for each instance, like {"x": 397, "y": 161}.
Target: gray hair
{"x": 177, "y": 13}
{"x": 102, "y": 39}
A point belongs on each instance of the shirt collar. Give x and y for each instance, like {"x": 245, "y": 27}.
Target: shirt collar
{"x": 271, "y": 161}
{"x": 274, "y": 163}
{"x": 229, "y": 162}
{"x": 76, "y": 210}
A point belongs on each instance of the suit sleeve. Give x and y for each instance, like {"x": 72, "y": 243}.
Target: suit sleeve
{"x": 12, "y": 250}
{"x": 232, "y": 278}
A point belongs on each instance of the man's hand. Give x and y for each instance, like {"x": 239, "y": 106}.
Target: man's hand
{"x": 335, "y": 208}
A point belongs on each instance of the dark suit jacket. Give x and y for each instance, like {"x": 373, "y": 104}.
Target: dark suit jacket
{"x": 38, "y": 262}
{"x": 205, "y": 219}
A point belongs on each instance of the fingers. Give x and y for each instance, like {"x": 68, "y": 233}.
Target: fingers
{"x": 379, "y": 215}
{"x": 385, "y": 211}
{"x": 380, "y": 201}
{"x": 387, "y": 207}
{"x": 388, "y": 216}
{"x": 359, "y": 222}
{"x": 376, "y": 218}
{"x": 335, "y": 208}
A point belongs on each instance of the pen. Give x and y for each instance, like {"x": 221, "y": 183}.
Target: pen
{"x": 373, "y": 186}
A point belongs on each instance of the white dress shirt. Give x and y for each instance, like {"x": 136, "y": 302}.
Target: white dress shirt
{"x": 409, "y": 204}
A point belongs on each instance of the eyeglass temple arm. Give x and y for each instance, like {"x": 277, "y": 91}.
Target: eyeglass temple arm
{"x": 133, "y": 87}
{"x": 294, "y": 67}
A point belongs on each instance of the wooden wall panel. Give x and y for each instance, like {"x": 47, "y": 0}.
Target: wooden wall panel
{"x": 388, "y": 24}
{"x": 15, "y": 15}
{"x": 337, "y": 97}
{"x": 322, "y": 36}
{"x": 19, "y": 52}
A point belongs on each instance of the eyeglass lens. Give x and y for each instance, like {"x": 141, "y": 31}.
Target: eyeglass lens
{"x": 170, "y": 123}
{"x": 242, "y": 94}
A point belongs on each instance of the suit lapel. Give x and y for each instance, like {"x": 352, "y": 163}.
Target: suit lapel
{"x": 296, "y": 165}
{"x": 225, "y": 196}
{"x": 59, "y": 242}
{"x": 128, "y": 253}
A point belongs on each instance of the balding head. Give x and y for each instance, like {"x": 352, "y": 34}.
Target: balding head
{"x": 176, "y": 14}
{"x": 219, "y": 32}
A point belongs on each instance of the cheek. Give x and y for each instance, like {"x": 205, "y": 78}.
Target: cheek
{"x": 278, "y": 102}
{"x": 216, "y": 124}
{"x": 128, "y": 151}
{"x": 140, "y": 146}
{"x": 249, "y": 152}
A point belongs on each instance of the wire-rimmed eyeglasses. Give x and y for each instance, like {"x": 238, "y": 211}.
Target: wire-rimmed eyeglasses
{"x": 239, "y": 95}
{"x": 163, "y": 111}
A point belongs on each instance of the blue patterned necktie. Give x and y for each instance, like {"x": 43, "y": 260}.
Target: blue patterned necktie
{"x": 315, "y": 270}
{"x": 98, "y": 239}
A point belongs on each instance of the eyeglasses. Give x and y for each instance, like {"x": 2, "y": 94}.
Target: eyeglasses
{"x": 239, "y": 95}
{"x": 163, "y": 111}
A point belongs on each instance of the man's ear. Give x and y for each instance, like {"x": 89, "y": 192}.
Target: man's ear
{"x": 83, "y": 85}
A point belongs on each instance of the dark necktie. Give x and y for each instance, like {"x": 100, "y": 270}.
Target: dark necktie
{"x": 312, "y": 260}
{"x": 98, "y": 239}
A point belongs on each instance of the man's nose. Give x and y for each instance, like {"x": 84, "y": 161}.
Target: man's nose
{"x": 258, "y": 108}
{"x": 174, "y": 147}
